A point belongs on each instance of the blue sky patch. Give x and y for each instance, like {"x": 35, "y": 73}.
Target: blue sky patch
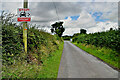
{"x": 97, "y": 17}
{"x": 101, "y": 20}
{"x": 90, "y": 12}
{"x": 97, "y": 14}
{"x": 66, "y": 18}
{"x": 75, "y": 17}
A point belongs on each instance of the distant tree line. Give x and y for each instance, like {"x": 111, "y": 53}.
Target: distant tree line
{"x": 67, "y": 37}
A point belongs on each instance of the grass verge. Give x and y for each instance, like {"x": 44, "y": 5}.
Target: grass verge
{"x": 51, "y": 65}
{"x": 105, "y": 54}
{"x": 21, "y": 69}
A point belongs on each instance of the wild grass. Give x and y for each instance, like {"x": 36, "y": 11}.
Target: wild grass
{"x": 106, "y": 54}
{"x": 51, "y": 65}
{"x": 49, "y": 69}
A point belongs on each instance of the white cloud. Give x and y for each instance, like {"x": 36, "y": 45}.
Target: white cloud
{"x": 84, "y": 21}
{"x": 109, "y": 9}
{"x": 45, "y": 14}
{"x": 71, "y": 31}
{"x": 103, "y": 26}
{"x": 11, "y": 7}
{"x": 99, "y": 27}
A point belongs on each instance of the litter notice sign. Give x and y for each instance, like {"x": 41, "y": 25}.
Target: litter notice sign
{"x": 23, "y": 15}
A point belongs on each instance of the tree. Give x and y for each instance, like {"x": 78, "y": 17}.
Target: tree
{"x": 83, "y": 31}
{"x": 111, "y": 29}
{"x": 58, "y": 28}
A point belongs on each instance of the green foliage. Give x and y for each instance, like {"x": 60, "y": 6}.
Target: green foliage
{"x": 40, "y": 46}
{"x": 11, "y": 43}
{"x": 58, "y": 28}
{"x": 105, "y": 54}
{"x": 12, "y": 38}
{"x": 24, "y": 70}
{"x": 66, "y": 37}
{"x": 104, "y": 45}
{"x": 16, "y": 63}
{"x": 51, "y": 65}
{"x": 40, "y": 43}
{"x": 109, "y": 39}
{"x": 76, "y": 34}
{"x": 83, "y": 31}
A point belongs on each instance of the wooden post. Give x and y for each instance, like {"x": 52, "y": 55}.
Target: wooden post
{"x": 25, "y": 5}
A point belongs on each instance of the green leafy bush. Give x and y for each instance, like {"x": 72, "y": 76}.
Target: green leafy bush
{"x": 11, "y": 43}
{"x": 109, "y": 39}
{"x": 39, "y": 44}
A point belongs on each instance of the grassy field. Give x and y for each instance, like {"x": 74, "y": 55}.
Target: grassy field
{"x": 105, "y": 54}
{"x": 49, "y": 69}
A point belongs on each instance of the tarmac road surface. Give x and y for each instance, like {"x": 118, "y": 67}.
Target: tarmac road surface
{"x": 76, "y": 63}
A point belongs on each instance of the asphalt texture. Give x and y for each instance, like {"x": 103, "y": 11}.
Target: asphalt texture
{"x": 76, "y": 63}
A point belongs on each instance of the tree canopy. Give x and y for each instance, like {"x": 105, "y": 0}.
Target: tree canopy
{"x": 58, "y": 28}
{"x": 83, "y": 31}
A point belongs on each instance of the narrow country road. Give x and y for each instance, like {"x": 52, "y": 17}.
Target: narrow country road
{"x": 76, "y": 63}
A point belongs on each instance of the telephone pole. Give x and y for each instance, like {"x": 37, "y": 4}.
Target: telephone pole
{"x": 25, "y": 5}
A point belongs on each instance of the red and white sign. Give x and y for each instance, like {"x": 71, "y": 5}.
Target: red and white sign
{"x": 23, "y": 15}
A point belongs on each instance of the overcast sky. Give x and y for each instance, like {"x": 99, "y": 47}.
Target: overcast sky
{"x": 94, "y": 16}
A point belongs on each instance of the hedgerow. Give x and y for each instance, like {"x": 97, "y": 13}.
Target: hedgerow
{"x": 40, "y": 43}
{"x": 109, "y": 39}
{"x": 40, "y": 47}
